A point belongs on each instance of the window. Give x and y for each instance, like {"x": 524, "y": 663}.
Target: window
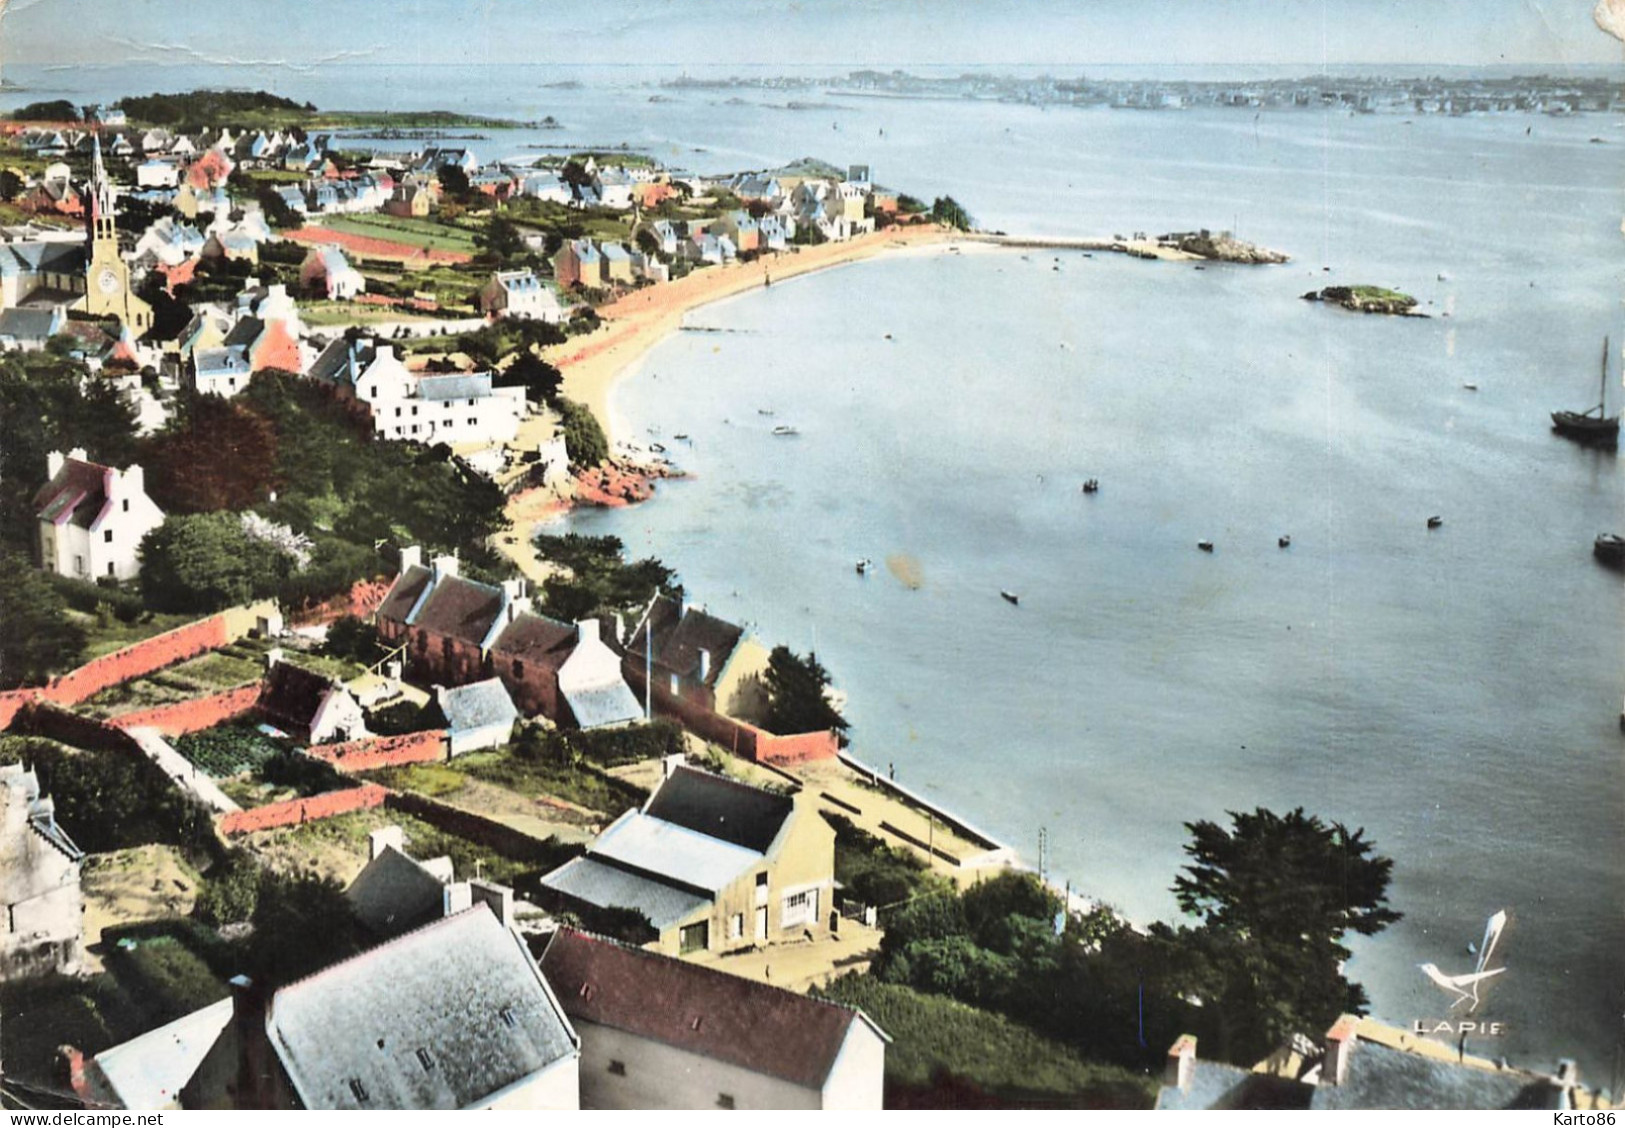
{"x": 397, "y": 413}
{"x": 736, "y": 926}
{"x": 507, "y": 1016}
{"x": 425, "y": 1060}
{"x": 110, "y": 571}
{"x": 725, "y": 1100}
{"x": 472, "y": 422}
{"x": 107, "y": 536}
{"x": 126, "y": 505}
{"x": 761, "y": 880}
{"x": 470, "y": 403}
{"x": 694, "y": 937}
{"x": 414, "y": 409}
{"x": 446, "y": 648}
{"x": 618, "y": 1068}
{"x": 799, "y": 908}
{"x": 518, "y": 668}
{"x": 358, "y": 1089}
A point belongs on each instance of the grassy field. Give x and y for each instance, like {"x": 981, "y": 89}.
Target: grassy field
{"x": 105, "y": 637}
{"x": 318, "y": 314}
{"x": 418, "y": 232}
{"x": 933, "y": 1036}
{"x": 533, "y": 778}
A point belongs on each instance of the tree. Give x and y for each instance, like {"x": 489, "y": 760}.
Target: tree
{"x": 501, "y": 237}
{"x": 1276, "y": 895}
{"x": 797, "y": 698}
{"x": 59, "y": 110}
{"x": 205, "y": 562}
{"x": 38, "y": 639}
{"x": 540, "y": 379}
{"x": 215, "y": 454}
{"x": 354, "y": 639}
{"x": 453, "y": 182}
{"x": 583, "y": 437}
{"x": 10, "y": 184}
{"x": 946, "y": 211}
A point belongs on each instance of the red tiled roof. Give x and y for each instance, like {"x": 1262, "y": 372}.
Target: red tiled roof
{"x": 79, "y": 484}
{"x": 536, "y": 638}
{"x": 751, "y": 1025}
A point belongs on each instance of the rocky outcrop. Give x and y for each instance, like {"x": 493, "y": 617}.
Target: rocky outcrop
{"x": 1367, "y": 299}
{"x": 1221, "y": 246}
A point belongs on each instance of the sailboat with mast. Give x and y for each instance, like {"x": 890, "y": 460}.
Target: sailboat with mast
{"x": 1593, "y": 425}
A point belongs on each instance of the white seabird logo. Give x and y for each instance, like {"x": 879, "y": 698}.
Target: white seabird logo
{"x": 1465, "y": 987}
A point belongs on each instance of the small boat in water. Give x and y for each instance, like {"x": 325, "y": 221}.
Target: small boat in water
{"x": 764, "y": 411}
{"x": 1283, "y": 541}
{"x": 1092, "y": 486}
{"x": 657, "y": 448}
{"x": 1205, "y": 545}
{"x": 1435, "y": 522}
{"x": 1593, "y": 425}
{"x": 1610, "y": 549}
{"x": 864, "y": 565}
{"x": 1010, "y": 597}
{"x": 785, "y": 429}
{"x": 1471, "y": 387}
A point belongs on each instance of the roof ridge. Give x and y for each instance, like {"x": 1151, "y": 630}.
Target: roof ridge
{"x": 420, "y": 929}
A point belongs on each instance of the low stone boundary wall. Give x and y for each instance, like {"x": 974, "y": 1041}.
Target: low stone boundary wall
{"x": 201, "y": 713}
{"x": 739, "y": 737}
{"x": 384, "y": 751}
{"x": 296, "y": 812}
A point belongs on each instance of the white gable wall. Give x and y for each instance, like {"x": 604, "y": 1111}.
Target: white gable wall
{"x": 658, "y": 1076}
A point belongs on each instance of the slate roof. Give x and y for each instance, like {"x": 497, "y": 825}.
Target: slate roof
{"x": 334, "y": 363}
{"x": 721, "y": 808}
{"x": 245, "y": 332}
{"x": 293, "y": 694}
{"x": 443, "y": 1017}
{"x": 35, "y": 258}
{"x": 396, "y": 893}
{"x": 27, "y": 324}
{"x": 149, "y": 1072}
{"x": 600, "y": 705}
{"x": 679, "y": 651}
{"x": 455, "y": 386}
{"x": 404, "y": 593}
{"x": 610, "y": 887}
{"x": 227, "y": 359}
{"x": 726, "y": 1018}
{"x": 461, "y": 609}
{"x": 536, "y": 638}
{"x": 1379, "y": 1077}
{"x": 77, "y": 494}
{"x": 677, "y": 854}
{"x": 1215, "y": 1085}
{"x": 474, "y": 706}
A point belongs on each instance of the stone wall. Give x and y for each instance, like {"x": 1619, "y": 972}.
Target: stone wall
{"x": 295, "y": 812}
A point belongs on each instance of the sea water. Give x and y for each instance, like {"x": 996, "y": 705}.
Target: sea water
{"x": 1455, "y": 692}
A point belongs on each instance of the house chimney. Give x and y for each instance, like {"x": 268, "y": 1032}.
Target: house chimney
{"x": 411, "y": 557}
{"x": 1181, "y": 1067}
{"x": 382, "y": 351}
{"x": 133, "y": 481}
{"x": 71, "y": 1063}
{"x": 256, "y": 1064}
{"x": 456, "y": 898}
{"x": 443, "y": 566}
{"x": 498, "y": 897}
{"x": 272, "y": 657}
{"x": 705, "y": 663}
{"x": 383, "y": 838}
{"x": 670, "y": 764}
{"x": 1340, "y": 1042}
{"x": 586, "y": 629}
{"x": 54, "y": 463}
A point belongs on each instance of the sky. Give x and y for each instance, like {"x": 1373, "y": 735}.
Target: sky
{"x": 1552, "y": 33}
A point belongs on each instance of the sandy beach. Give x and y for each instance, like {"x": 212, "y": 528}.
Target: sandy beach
{"x": 635, "y": 323}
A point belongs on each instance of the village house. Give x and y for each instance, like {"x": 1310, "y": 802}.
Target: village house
{"x": 410, "y": 199}
{"x": 310, "y": 707}
{"x": 713, "y": 864}
{"x": 1365, "y": 1064}
{"x": 578, "y": 264}
{"x": 29, "y": 330}
{"x": 478, "y": 715}
{"x": 450, "y": 408}
{"x": 617, "y": 264}
{"x": 659, "y": 1033}
{"x": 39, "y": 883}
{"x": 740, "y": 227}
{"x": 698, "y": 658}
{"x": 92, "y": 518}
{"x": 395, "y": 892}
{"x": 41, "y": 272}
{"x": 591, "y": 684}
{"x": 452, "y": 1015}
{"x": 327, "y": 273}
{"x": 519, "y": 293}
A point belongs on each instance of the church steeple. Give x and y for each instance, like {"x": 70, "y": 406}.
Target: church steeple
{"x": 102, "y": 227}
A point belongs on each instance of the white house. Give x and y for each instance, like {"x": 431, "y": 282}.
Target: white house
{"x": 658, "y": 1033}
{"x": 92, "y": 518}
{"x": 590, "y": 682}
{"x": 453, "y": 408}
{"x": 519, "y": 293}
{"x": 326, "y": 271}
{"x": 478, "y": 716}
{"x": 39, "y": 882}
